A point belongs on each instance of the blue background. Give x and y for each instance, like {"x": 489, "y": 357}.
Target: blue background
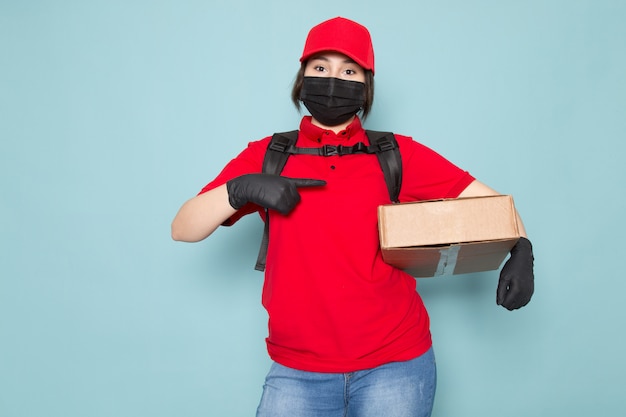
{"x": 113, "y": 113}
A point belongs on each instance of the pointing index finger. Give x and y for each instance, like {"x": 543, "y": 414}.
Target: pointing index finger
{"x": 307, "y": 182}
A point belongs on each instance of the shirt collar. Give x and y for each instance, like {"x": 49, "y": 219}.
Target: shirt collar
{"x": 319, "y": 135}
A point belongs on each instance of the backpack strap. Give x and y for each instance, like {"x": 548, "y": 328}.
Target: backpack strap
{"x": 278, "y": 150}
{"x": 388, "y": 153}
{"x": 274, "y": 162}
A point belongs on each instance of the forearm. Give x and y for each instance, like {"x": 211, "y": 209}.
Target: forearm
{"x": 478, "y": 189}
{"x": 202, "y": 215}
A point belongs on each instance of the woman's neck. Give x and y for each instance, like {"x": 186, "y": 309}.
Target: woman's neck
{"x": 335, "y": 129}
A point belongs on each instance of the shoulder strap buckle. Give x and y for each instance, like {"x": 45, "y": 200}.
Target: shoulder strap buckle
{"x": 385, "y": 144}
{"x": 330, "y": 150}
{"x": 280, "y": 143}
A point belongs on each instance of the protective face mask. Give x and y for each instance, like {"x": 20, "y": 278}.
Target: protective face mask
{"x": 332, "y": 101}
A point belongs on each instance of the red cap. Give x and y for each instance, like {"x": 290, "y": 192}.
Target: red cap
{"x": 344, "y": 36}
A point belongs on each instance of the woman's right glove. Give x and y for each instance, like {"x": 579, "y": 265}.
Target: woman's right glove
{"x": 268, "y": 191}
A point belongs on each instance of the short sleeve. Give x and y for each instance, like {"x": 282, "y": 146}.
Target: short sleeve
{"x": 427, "y": 175}
{"x": 249, "y": 161}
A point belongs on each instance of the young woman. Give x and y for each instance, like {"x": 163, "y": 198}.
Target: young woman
{"x": 348, "y": 333}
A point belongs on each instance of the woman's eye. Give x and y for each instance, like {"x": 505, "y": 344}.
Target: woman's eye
{"x": 319, "y": 68}
{"x": 350, "y": 72}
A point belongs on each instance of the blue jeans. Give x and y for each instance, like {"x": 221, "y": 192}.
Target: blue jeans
{"x": 397, "y": 389}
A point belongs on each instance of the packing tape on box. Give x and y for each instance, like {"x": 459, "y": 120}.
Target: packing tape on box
{"x": 447, "y": 260}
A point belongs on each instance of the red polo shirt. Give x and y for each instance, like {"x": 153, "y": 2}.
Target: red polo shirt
{"x": 334, "y": 305}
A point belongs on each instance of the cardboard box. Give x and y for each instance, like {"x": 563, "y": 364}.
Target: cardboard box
{"x": 444, "y": 237}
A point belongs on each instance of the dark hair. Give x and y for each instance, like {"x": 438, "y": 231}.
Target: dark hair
{"x": 369, "y": 90}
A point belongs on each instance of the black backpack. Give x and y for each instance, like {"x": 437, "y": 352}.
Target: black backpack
{"x": 282, "y": 145}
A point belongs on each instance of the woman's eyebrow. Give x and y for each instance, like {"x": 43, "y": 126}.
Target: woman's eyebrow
{"x": 348, "y": 60}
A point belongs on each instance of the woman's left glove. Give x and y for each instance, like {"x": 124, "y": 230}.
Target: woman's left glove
{"x": 517, "y": 280}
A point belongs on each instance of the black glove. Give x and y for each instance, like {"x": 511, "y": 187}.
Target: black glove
{"x": 268, "y": 191}
{"x": 517, "y": 280}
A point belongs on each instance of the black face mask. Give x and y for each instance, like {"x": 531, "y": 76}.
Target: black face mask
{"x": 332, "y": 101}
